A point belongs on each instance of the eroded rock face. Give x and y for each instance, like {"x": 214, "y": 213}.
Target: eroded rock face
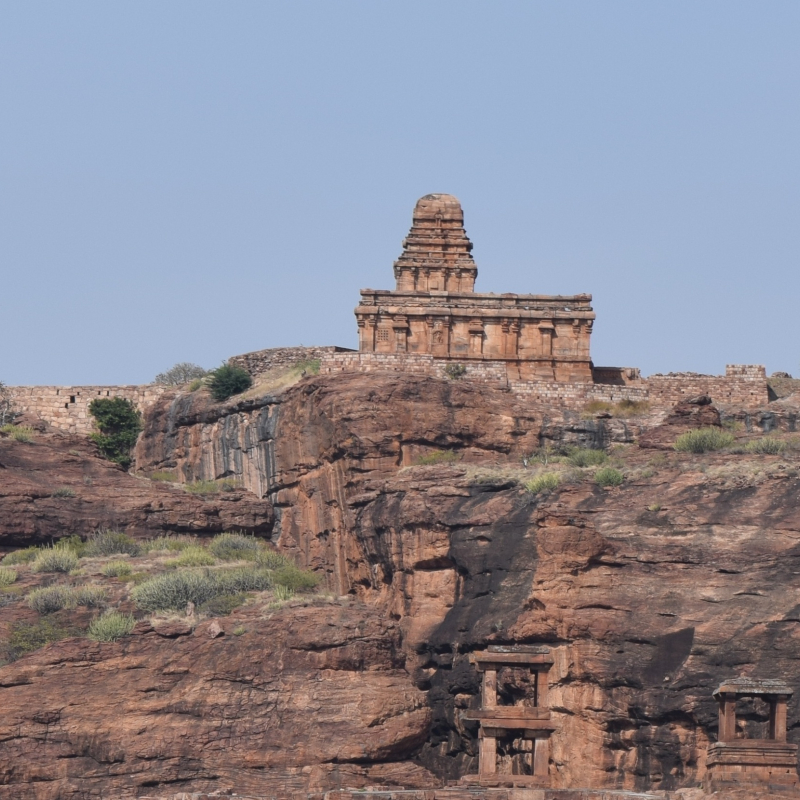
{"x": 648, "y": 594}
{"x": 304, "y": 699}
{"x": 100, "y": 495}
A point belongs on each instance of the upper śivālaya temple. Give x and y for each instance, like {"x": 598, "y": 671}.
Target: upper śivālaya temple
{"x": 435, "y": 309}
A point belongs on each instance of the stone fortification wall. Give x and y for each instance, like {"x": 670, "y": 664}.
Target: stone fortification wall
{"x": 66, "y": 408}
{"x": 261, "y": 361}
{"x": 743, "y": 385}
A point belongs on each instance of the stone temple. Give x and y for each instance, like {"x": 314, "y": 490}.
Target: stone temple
{"x": 435, "y": 310}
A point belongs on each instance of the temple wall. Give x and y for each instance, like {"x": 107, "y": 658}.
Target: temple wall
{"x": 261, "y": 361}
{"x": 743, "y": 385}
{"x": 66, "y": 408}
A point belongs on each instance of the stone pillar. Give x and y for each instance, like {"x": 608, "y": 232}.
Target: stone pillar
{"x": 727, "y": 718}
{"x": 489, "y": 689}
{"x": 487, "y": 753}
{"x": 541, "y": 688}
{"x": 777, "y": 719}
{"x": 541, "y": 757}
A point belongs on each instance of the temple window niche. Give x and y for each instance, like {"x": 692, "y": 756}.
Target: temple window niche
{"x": 435, "y": 310}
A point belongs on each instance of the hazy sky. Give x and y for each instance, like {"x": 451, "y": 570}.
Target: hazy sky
{"x": 185, "y": 181}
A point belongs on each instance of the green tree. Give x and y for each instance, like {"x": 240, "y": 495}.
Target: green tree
{"x": 120, "y": 423}
{"x": 228, "y": 380}
{"x": 181, "y": 373}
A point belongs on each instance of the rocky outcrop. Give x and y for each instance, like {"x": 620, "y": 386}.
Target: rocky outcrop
{"x": 57, "y": 485}
{"x": 648, "y": 594}
{"x": 303, "y": 699}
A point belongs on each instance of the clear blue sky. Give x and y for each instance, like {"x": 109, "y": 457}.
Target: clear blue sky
{"x": 185, "y": 181}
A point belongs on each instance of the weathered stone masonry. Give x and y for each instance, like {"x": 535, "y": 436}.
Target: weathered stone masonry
{"x": 66, "y": 408}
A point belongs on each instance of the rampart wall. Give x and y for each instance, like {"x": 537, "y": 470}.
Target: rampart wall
{"x": 66, "y": 408}
{"x": 743, "y": 385}
{"x": 262, "y": 361}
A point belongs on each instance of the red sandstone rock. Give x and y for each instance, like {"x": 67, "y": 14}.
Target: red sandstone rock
{"x": 104, "y": 496}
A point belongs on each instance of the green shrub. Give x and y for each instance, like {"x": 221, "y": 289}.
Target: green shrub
{"x": 235, "y": 546}
{"x": 272, "y": 559}
{"x": 55, "y": 559}
{"x": 181, "y": 373}
{"x": 222, "y": 605}
{"x": 19, "y": 433}
{"x": 193, "y": 556}
{"x": 608, "y": 476}
{"x": 161, "y": 475}
{"x": 7, "y": 576}
{"x": 24, "y": 556}
{"x": 88, "y": 596}
{"x": 244, "y": 579}
{"x": 703, "y": 440}
{"x": 767, "y": 446}
{"x": 295, "y": 579}
{"x": 654, "y": 507}
{"x": 202, "y": 487}
{"x": 283, "y": 593}
{"x": 117, "y": 569}
{"x": 161, "y": 543}
{"x": 50, "y": 599}
{"x": 310, "y": 366}
{"x": 196, "y": 384}
{"x": 111, "y": 626}
{"x": 120, "y": 423}
{"x": 27, "y": 637}
{"x": 111, "y": 543}
{"x": 173, "y": 590}
{"x": 455, "y": 371}
{"x": 584, "y": 457}
{"x": 228, "y": 380}
{"x": 631, "y": 408}
{"x": 63, "y": 491}
{"x": 545, "y": 482}
{"x": 438, "y": 457}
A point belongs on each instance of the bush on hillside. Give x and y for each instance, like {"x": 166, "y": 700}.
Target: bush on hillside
{"x": 111, "y": 543}
{"x": 703, "y": 440}
{"x": 584, "y": 457}
{"x": 120, "y": 423}
{"x": 7, "y": 576}
{"x": 55, "y": 559}
{"x": 183, "y": 372}
{"x": 768, "y": 446}
{"x": 545, "y": 482}
{"x": 111, "y": 626}
{"x": 608, "y": 476}
{"x": 228, "y": 380}
{"x": 235, "y": 546}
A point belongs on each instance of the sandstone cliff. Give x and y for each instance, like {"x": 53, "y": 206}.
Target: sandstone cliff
{"x": 407, "y": 494}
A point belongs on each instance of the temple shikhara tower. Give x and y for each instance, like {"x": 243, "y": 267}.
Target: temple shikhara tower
{"x": 435, "y": 309}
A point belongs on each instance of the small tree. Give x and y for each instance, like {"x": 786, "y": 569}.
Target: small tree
{"x": 229, "y": 380}
{"x": 7, "y": 413}
{"x": 120, "y": 423}
{"x": 181, "y": 373}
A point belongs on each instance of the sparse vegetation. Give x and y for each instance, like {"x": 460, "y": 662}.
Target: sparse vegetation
{"x": 24, "y": 556}
{"x": 161, "y": 475}
{"x": 55, "y": 559}
{"x": 193, "y": 556}
{"x": 196, "y": 384}
{"x": 438, "y": 457}
{"x": 239, "y": 630}
{"x": 222, "y": 605}
{"x": 623, "y": 409}
{"x": 120, "y": 423}
{"x": 271, "y": 559}
{"x": 202, "y": 487}
{"x": 50, "y": 599}
{"x": 19, "y": 433}
{"x": 63, "y": 491}
{"x": 173, "y": 590}
{"x": 455, "y": 371}
{"x": 654, "y": 507}
{"x": 7, "y": 411}
{"x": 608, "y": 476}
{"x": 295, "y": 579}
{"x": 585, "y": 457}
{"x": 111, "y": 626}
{"x": 235, "y": 546}
{"x": 228, "y": 380}
{"x": 308, "y": 366}
{"x": 171, "y": 544}
{"x": 111, "y": 543}
{"x": 283, "y": 593}
{"x": 27, "y": 637}
{"x": 7, "y": 576}
{"x": 768, "y": 446}
{"x": 546, "y": 482}
{"x": 181, "y": 373}
{"x": 89, "y": 596}
{"x": 117, "y": 569}
{"x": 703, "y": 440}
